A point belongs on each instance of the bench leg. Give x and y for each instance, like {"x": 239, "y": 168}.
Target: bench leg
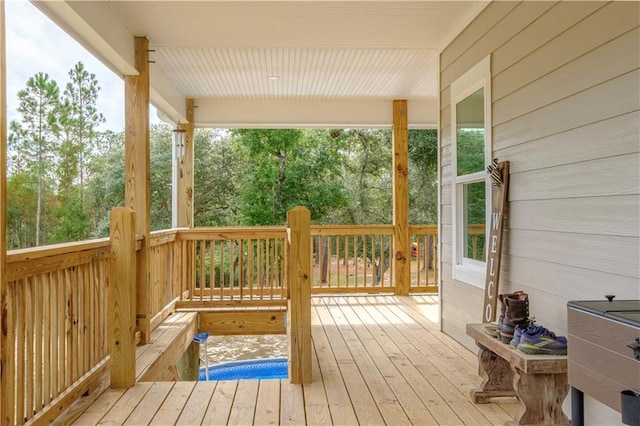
{"x": 541, "y": 396}
{"x": 497, "y": 377}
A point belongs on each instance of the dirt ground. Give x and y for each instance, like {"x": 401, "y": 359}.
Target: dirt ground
{"x": 232, "y": 348}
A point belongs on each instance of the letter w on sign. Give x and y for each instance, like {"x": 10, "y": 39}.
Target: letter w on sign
{"x": 499, "y": 174}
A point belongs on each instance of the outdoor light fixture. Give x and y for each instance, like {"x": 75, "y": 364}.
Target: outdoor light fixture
{"x": 179, "y": 143}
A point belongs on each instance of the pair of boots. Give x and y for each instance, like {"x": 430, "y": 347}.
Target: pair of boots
{"x": 514, "y": 312}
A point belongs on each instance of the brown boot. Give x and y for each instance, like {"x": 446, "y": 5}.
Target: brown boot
{"x": 517, "y": 314}
{"x": 503, "y": 305}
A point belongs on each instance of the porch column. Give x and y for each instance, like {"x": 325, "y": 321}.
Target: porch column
{"x": 185, "y": 173}
{"x": 6, "y": 355}
{"x": 137, "y": 180}
{"x": 402, "y": 255}
{"x": 184, "y": 195}
{"x": 299, "y": 288}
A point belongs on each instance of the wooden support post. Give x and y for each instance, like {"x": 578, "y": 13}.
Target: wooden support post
{"x": 185, "y": 194}
{"x": 137, "y": 179}
{"x": 299, "y": 303}
{"x": 401, "y": 243}
{"x": 185, "y": 173}
{"x": 122, "y": 298}
{"x": 7, "y": 357}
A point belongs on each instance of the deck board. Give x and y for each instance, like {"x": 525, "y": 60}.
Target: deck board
{"x": 244, "y": 403}
{"x": 171, "y": 410}
{"x": 197, "y": 404}
{"x": 376, "y": 360}
{"x": 268, "y": 404}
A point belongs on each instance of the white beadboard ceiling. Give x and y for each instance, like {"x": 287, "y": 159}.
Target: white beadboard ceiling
{"x": 329, "y": 55}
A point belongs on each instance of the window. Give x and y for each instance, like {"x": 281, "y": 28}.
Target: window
{"x": 471, "y": 153}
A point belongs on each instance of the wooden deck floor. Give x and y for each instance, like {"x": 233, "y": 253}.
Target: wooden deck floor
{"x": 377, "y": 360}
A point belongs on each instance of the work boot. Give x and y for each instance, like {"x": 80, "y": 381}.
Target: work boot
{"x": 517, "y": 314}
{"x": 503, "y": 306}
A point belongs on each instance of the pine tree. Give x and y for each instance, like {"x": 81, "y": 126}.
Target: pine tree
{"x": 35, "y": 137}
{"x": 81, "y": 118}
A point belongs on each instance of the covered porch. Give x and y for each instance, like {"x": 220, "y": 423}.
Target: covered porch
{"x": 377, "y": 359}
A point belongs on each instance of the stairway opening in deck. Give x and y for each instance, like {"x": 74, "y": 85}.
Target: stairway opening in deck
{"x": 224, "y": 357}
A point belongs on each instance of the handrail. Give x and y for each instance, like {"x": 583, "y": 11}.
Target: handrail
{"x": 234, "y": 264}
{"x": 58, "y": 293}
{"x": 56, "y": 325}
{"x": 40, "y": 252}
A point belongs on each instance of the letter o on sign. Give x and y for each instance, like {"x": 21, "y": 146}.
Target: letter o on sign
{"x": 487, "y": 313}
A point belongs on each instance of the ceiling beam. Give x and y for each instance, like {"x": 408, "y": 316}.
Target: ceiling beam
{"x": 310, "y": 114}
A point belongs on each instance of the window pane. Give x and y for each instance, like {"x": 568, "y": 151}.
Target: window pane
{"x": 474, "y": 218}
{"x": 470, "y": 135}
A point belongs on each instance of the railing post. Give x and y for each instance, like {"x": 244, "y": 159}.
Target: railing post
{"x": 122, "y": 297}
{"x": 299, "y": 300}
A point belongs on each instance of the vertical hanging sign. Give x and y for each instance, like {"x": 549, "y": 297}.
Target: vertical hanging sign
{"x": 499, "y": 175}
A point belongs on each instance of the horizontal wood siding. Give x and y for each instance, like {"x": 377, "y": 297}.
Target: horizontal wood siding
{"x": 566, "y": 114}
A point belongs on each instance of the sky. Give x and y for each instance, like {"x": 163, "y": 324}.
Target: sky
{"x": 35, "y": 44}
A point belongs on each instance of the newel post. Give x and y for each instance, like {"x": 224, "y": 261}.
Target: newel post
{"x": 299, "y": 303}
{"x": 122, "y": 297}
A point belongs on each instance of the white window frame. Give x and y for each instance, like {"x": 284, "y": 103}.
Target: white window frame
{"x": 464, "y": 269}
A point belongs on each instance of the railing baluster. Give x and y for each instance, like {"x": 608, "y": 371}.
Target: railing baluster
{"x": 250, "y": 272}
{"x": 212, "y": 269}
{"x": 29, "y": 339}
{"x": 53, "y": 363}
{"x": 20, "y": 350}
{"x": 202, "y": 255}
{"x": 41, "y": 306}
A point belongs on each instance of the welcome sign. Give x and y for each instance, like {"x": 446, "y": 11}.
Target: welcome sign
{"x": 499, "y": 174}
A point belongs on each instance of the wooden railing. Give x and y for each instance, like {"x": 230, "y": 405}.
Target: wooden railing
{"x": 56, "y": 324}
{"x": 350, "y": 259}
{"x": 168, "y": 274}
{"x": 244, "y": 265}
{"x": 476, "y": 240}
{"x": 424, "y": 258}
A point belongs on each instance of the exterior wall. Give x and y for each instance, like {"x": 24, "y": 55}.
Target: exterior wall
{"x": 565, "y": 113}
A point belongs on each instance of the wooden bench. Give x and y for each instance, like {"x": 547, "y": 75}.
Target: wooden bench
{"x": 539, "y": 381}
{"x": 156, "y": 360}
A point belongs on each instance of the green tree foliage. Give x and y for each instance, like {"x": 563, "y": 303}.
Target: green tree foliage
{"x": 423, "y": 176}
{"x": 35, "y": 139}
{"x": 160, "y": 175}
{"x": 367, "y": 177}
{"x": 21, "y": 210}
{"x": 470, "y": 151}
{"x": 216, "y": 178}
{"x": 283, "y": 169}
{"x": 64, "y": 176}
{"x": 105, "y": 189}
{"x": 81, "y": 118}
